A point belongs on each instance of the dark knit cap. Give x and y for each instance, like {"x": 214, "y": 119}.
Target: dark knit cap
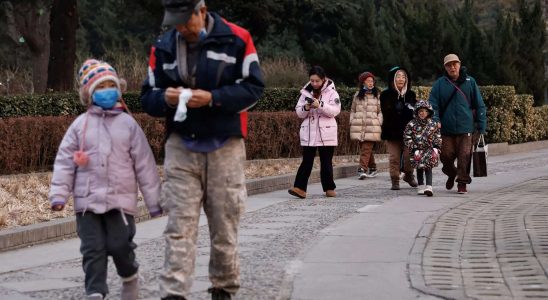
{"x": 363, "y": 76}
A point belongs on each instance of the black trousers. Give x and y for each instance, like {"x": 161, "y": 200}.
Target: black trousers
{"x": 326, "y": 167}
{"x": 420, "y": 177}
{"x": 102, "y": 235}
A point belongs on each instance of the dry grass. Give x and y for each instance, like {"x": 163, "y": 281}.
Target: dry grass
{"x": 284, "y": 72}
{"x": 24, "y": 198}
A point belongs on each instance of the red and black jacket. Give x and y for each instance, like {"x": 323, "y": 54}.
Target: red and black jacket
{"x": 228, "y": 67}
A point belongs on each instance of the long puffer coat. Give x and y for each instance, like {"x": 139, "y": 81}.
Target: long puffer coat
{"x": 120, "y": 162}
{"x": 366, "y": 118}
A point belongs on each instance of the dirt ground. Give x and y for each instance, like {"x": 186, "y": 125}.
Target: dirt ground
{"x": 24, "y": 198}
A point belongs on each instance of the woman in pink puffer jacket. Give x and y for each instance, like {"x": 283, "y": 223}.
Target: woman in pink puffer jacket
{"x": 318, "y": 105}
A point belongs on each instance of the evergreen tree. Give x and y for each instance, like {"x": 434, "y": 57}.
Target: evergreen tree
{"x": 118, "y": 25}
{"x": 505, "y": 48}
{"x": 263, "y": 18}
{"x": 392, "y": 36}
{"x": 366, "y": 41}
{"x": 328, "y": 38}
{"x": 531, "y": 33}
{"x": 426, "y": 25}
{"x": 476, "y": 55}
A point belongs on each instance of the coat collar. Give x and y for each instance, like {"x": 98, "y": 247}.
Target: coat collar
{"x": 220, "y": 33}
{"x": 96, "y": 110}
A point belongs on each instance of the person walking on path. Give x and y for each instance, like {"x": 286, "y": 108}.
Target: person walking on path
{"x": 103, "y": 158}
{"x": 397, "y": 106}
{"x": 203, "y": 76}
{"x": 318, "y": 105}
{"x": 460, "y": 111}
{"x": 365, "y": 123}
{"x": 422, "y": 139}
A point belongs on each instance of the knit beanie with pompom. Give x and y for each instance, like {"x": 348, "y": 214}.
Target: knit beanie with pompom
{"x": 91, "y": 74}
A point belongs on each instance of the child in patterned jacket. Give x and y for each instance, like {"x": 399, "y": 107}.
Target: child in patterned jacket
{"x": 422, "y": 139}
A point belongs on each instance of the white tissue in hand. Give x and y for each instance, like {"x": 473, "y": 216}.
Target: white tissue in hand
{"x": 180, "y": 114}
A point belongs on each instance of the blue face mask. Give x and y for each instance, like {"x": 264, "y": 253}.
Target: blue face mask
{"x": 106, "y": 98}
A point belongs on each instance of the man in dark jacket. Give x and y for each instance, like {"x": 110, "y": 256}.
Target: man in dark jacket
{"x": 460, "y": 111}
{"x": 203, "y": 75}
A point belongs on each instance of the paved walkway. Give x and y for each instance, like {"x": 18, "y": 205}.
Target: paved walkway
{"x": 368, "y": 243}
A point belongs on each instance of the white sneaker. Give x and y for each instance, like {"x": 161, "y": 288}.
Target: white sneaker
{"x": 371, "y": 173}
{"x": 361, "y": 174}
{"x": 428, "y": 191}
{"x": 421, "y": 189}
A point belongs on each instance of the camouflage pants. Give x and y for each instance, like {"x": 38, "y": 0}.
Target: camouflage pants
{"x": 216, "y": 181}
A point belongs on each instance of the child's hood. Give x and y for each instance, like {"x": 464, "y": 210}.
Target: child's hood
{"x": 423, "y": 104}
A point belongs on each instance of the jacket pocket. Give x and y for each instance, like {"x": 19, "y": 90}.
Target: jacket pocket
{"x": 81, "y": 186}
{"x": 126, "y": 182}
{"x": 328, "y": 135}
{"x": 305, "y": 134}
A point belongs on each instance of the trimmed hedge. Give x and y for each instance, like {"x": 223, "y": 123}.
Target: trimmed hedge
{"x": 58, "y": 104}
{"x": 32, "y": 126}
{"x": 30, "y": 144}
{"x": 33, "y": 141}
{"x": 285, "y": 99}
{"x": 66, "y": 104}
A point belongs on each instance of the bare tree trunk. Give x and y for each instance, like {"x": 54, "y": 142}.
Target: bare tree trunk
{"x": 64, "y": 22}
{"x": 28, "y": 23}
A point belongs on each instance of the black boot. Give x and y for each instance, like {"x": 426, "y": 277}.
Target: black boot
{"x": 174, "y": 298}
{"x": 220, "y": 294}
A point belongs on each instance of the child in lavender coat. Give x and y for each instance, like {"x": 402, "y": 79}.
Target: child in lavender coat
{"x": 103, "y": 158}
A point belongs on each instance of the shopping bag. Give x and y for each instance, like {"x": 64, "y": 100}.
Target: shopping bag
{"x": 479, "y": 158}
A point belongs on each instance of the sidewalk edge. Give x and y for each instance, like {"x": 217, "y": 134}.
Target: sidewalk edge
{"x": 60, "y": 229}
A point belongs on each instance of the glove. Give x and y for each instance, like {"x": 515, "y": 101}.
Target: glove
{"x": 417, "y": 155}
{"x": 436, "y": 152}
{"x": 57, "y": 205}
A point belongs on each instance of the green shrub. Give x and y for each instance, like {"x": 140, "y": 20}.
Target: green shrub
{"x": 542, "y": 114}
{"x": 510, "y": 118}
{"x": 59, "y": 104}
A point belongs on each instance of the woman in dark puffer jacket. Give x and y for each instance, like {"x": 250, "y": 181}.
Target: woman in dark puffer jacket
{"x": 397, "y": 105}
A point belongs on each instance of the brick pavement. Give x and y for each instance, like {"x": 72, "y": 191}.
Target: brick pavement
{"x": 494, "y": 246}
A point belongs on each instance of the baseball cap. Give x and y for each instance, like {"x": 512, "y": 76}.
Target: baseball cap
{"x": 450, "y": 58}
{"x": 178, "y": 11}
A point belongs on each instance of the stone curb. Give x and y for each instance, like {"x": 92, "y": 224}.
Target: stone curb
{"x": 60, "y": 229}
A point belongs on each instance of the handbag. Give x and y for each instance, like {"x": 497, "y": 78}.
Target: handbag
{"x": 479, "y": 158}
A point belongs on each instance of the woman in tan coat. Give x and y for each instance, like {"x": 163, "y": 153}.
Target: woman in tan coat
{"x": 365, "y": 123}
